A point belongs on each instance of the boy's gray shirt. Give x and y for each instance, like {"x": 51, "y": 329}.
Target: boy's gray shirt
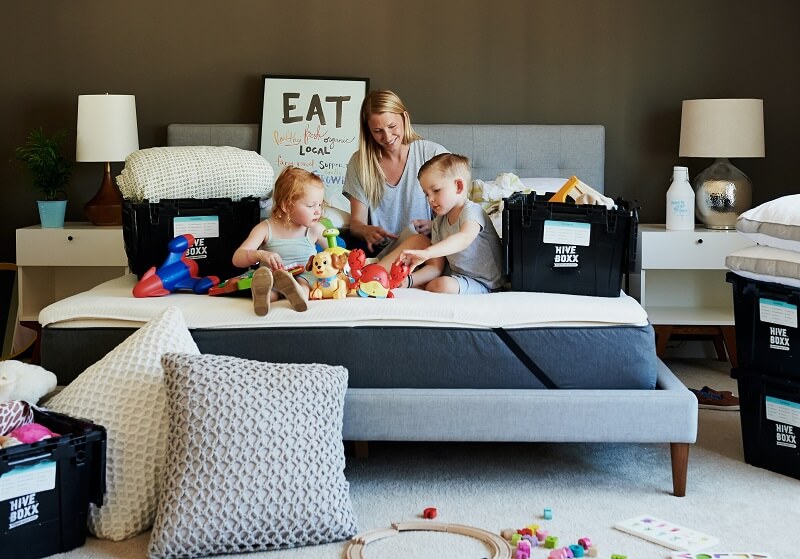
{"x": 483, "y": 258}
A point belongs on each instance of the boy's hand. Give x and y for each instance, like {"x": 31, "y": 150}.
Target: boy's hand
{"x": 413, "y": 258}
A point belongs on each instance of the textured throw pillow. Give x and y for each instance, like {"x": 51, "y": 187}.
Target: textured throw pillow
{"x": 194, "y": 172}
{"x": 775, "y": 223}
{"x": 255, "y": 459}
{"x": 124, "y": 392}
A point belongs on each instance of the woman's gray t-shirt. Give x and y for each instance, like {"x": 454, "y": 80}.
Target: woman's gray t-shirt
{"x": 402, "y": 203}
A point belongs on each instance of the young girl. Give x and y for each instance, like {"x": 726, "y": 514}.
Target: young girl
{"x": 285, "y": 240}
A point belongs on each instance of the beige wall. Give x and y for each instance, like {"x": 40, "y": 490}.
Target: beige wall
{"x": 626, "y": 64}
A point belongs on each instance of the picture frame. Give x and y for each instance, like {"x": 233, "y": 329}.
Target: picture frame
{"x": 312, "y": 122}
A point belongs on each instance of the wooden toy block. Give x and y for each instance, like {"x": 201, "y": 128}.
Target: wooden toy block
{"x": 550, "y": 542}
{"x": 548, "y": 514}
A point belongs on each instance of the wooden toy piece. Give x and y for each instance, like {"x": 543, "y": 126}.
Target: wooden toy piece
{"x": 507, "y": 533}
{"x": 532, "y": 527}
{"x": 500, "y": 548}
{"x": 520, "y": 554}
{"x": 581, "y": 193}
{"x": 577, "y": 550}
{"x": 592, "y": 551}
{"x": 550, "y": 542}
{"x": 541, "y": 534}
{"x": 429, "y": 513}
{"x": 515, "y": 538}
{"x": 525, "y": 545}
{"x": 548, "y": 514}
{"x": 558, "y": 554}
{"x": 585, "y": 543}
{"x": 618, "y": 556}
{"x": 525, "y": 532}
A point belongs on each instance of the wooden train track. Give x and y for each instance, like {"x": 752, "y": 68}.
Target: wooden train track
{"x": 501, "y": 549}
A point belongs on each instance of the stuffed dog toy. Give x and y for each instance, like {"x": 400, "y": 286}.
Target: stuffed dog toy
{"x": 331, "y": 282}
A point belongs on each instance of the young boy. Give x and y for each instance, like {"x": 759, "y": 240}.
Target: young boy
{"x": 461, "y": 232}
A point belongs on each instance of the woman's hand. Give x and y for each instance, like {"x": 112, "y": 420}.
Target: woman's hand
{"x": 422, "y": 226}
{"x": 376, "y": 236}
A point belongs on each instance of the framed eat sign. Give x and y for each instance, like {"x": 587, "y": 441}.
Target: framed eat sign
{"x": 312, "y": 123}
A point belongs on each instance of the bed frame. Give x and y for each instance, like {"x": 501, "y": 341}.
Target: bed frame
{"x": 667, "y": 414}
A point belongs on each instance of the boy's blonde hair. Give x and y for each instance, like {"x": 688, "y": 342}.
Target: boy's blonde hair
{"x": 370, "y": 174}
{"x": 290, "y": 186}
{"x": 449, "y": 165}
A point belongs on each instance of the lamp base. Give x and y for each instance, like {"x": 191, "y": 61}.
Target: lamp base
{"x": 105, "y": 208}
{"x": 722, "y": 193}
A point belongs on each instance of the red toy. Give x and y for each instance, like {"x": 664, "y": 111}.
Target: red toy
{"x": 429, "y": 513}
{"x": 371, "y": 280}
{"x": 176, "y": 273}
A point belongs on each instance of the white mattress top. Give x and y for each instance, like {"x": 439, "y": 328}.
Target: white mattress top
{"x": 112, "y": 304}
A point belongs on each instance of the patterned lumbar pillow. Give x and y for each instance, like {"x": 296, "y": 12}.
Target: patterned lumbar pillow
{"x": 255, "y": 459}
{"x": 124, "y": 392}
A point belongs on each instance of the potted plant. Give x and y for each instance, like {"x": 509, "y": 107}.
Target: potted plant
{"x": 50, "y": 172}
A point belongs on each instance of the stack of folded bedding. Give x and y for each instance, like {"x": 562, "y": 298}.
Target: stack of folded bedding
{"x": 775, "y": 227}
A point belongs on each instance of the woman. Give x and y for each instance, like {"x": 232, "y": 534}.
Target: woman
{"x": 388, "y": 209}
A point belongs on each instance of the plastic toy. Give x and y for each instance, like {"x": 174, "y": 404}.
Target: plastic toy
{"x": 585, "y": 543}
{"x": 335, "y": 243}
{"x": 429, "y": 513}
{"x": 23, "y": 381}
{"x": 550, "y": 542}
{"x": 244, "y": 281}
{"x": 541, "y": 534}
{"x": 525, "y": 532}
{"x": 372, "y": 280}
{"x": 331, "y": 282}
{"x": 618, "y": 556}
{"x": 592, "y": 551}
{"x": 177, "y": 273}
{"x": 577, "y": 550}
{"x": 548, "y": 514}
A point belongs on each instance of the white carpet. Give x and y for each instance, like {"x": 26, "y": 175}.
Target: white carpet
{"x": 588, "y": 487}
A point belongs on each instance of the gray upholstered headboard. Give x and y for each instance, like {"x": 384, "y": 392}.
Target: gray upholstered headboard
{"x": 527, "y": 150}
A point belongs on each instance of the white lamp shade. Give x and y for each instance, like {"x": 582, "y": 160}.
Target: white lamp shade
{"x": 106, "y": 128}
{"x": 722, "y": 128}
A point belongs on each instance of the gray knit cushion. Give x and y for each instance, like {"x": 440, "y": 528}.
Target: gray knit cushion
{"x": 255, "y": 459}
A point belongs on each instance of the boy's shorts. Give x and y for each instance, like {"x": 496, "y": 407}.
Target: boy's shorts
{"x": 469, "y": 286}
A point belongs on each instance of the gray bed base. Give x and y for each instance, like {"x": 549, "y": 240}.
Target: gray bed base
{"x": 665, "y": 415}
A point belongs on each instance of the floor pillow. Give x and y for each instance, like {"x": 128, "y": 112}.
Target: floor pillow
{"x": 255, "y": 459}
{"x": 124, "y": 392}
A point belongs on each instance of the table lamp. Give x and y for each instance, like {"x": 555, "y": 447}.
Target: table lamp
{"x": 106, "y": 132}
{"x": 722, "y": 128}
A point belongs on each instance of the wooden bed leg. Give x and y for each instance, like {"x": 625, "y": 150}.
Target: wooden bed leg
{"x": 361, "y": 449}
{"x": 680, "y": 466}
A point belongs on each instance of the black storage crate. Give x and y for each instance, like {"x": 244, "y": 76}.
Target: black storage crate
{"x": 767, "y": 336}
{"x": 770, "y": 415}
{"x": 219, "y": 225}
{"x": 557, "y": 247}
{"x": 46, "y": 488}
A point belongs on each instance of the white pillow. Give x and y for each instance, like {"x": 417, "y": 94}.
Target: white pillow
{"x": 775, "y": 223}
{"x": 765, "y": 263}
{"x": 124, "y": 392}
{"x": 195, "y": 172}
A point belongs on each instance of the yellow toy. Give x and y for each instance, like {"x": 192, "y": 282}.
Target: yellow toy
{"x": 331, "y": 282}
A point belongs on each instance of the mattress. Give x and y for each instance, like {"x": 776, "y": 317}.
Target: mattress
{"x": 415, "y": 340}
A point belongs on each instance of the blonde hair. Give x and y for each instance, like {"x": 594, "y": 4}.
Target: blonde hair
{"x": 378, "y": 101}
{"x": 290, "y": 186}
{"x": 449, "y": 165}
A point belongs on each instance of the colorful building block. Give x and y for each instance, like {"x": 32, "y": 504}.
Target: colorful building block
{"x": 577, "y": 550}
{"x": 585, "y": 543}
{"x": 550, "y": 542}
{"x": 547, "y": 514}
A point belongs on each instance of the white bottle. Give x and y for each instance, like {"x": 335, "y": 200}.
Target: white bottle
{"x": 680, "y": 201}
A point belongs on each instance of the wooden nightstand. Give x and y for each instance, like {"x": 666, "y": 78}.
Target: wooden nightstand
{"x": 54, "y": 263}
{"x": 682, "y": 284}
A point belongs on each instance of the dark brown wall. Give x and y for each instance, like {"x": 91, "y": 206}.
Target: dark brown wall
{"x": 626, "y": 64}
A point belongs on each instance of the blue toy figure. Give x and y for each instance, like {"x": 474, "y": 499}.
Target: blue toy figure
{"x": 176, "y": 273}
